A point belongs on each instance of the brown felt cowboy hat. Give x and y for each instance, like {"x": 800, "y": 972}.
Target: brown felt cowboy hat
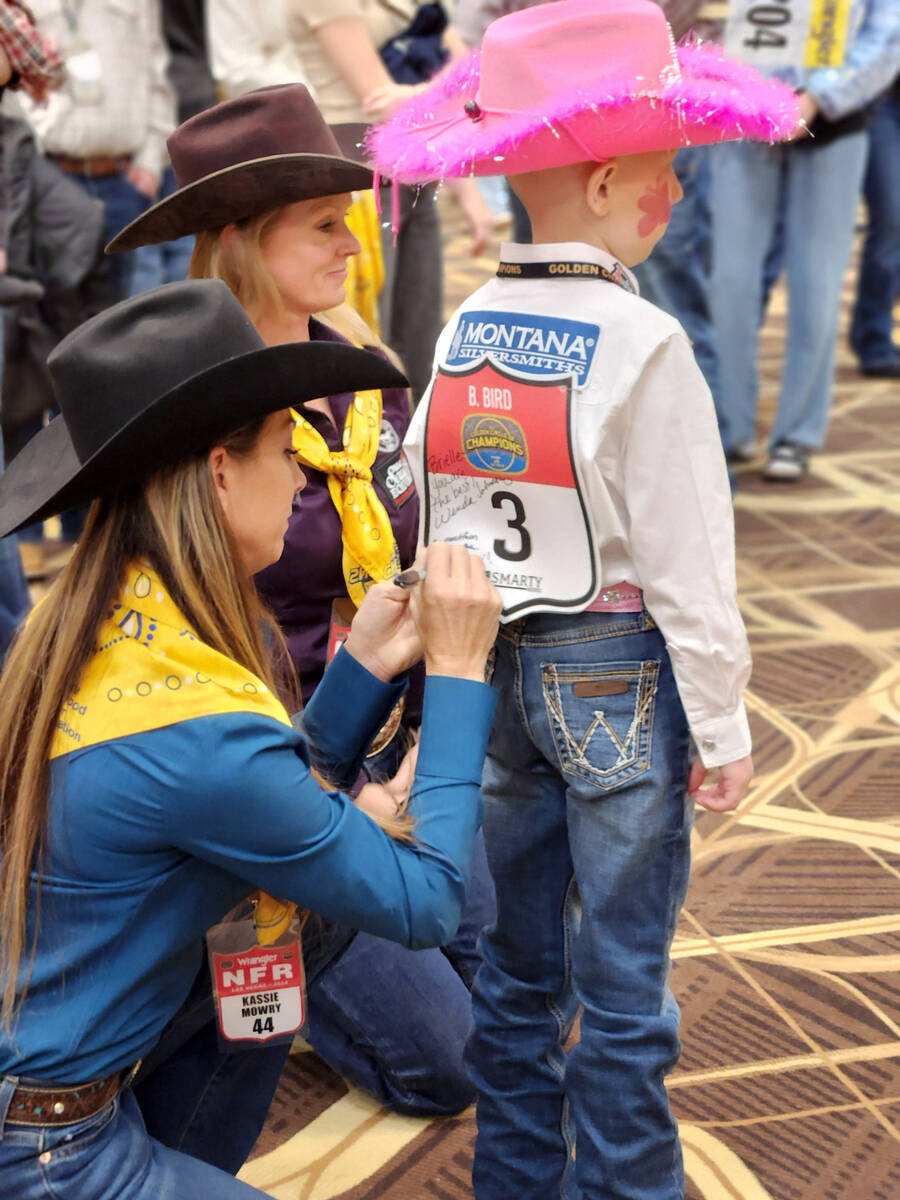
{"x": 242, "y": 158}
{"x": 158, "y": 378}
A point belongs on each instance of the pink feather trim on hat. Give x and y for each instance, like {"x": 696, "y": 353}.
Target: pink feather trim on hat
{"x": 700, "y": 97}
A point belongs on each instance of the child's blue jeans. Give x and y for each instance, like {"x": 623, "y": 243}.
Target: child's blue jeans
{"x": 588, "y": 838}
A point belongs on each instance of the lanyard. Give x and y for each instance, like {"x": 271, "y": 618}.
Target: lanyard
{"x": 565, "y": 269}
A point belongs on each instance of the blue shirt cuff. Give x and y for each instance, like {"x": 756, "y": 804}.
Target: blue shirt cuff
{"x": 347, "y": 709}
{"x": 457, "y": 716}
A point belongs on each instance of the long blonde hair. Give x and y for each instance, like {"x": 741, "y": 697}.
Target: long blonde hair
{"x": 174, "y": 520}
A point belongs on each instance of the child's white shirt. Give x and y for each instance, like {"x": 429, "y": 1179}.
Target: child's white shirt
{"x": 572, "y": 441}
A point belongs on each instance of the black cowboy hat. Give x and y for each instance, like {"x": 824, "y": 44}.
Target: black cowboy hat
{"x": 242, "y": 158}
{"x": 158, "y": 378}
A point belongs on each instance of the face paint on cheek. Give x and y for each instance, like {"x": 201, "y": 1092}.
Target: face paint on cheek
{"x": 656, "y": 204}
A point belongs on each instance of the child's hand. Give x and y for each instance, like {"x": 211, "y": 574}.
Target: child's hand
{"x": 729, "y": 789}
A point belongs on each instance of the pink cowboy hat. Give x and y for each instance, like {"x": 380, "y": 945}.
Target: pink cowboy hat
{"x": 576, "y": 81}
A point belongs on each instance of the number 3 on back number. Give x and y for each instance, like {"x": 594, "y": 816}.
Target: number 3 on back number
{"x": 517, "y": 523}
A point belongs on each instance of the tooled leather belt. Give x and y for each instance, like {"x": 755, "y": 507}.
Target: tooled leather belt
{"x": 65, "y": 1104}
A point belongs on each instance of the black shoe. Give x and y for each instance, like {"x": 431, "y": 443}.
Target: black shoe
{"x": 14, "y": 290}
{"x": 787, "y": 463}
{"x": 885, "y": 368}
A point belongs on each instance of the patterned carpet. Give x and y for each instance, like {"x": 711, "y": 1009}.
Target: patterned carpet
{"x": 787, "y": 960}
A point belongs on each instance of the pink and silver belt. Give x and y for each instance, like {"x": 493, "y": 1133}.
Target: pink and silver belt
{"x": 619, "y": 597}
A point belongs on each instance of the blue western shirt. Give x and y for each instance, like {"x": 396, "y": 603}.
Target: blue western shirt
{"x": 153, "y": 837}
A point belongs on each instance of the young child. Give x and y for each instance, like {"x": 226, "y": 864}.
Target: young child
{"x": 569, "y": 437}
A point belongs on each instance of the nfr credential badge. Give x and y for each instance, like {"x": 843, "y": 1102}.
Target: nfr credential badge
{"x": 259, "y": 992}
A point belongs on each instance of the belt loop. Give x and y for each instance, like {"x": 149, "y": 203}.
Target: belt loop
{"x": 8, "y": 1085}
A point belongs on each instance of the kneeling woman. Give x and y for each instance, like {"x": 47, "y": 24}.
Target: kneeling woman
{"x": 263, "y": 188}
{"x": 149, "y": 777}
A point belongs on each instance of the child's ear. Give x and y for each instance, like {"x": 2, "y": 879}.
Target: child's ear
{"x": 598, "y": 186}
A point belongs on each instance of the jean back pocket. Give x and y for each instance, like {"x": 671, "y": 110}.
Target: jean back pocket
{"x": 601, "y": 717}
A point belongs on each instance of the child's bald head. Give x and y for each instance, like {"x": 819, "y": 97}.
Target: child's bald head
{"x": 621, "y": 205}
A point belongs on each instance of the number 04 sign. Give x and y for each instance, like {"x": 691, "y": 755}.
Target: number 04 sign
{"x": 788, "y": 33}
{"x": 501, "y": 479}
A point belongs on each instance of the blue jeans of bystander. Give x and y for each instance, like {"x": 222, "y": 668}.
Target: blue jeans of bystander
{"x": 879, "y": 272}
{"x": 676, "y": 276}
{"x": 122, "y": 202}
{"x": 817, "y": 189}
{"x": 587, "y": 829}
{"x": 166, "y": 262}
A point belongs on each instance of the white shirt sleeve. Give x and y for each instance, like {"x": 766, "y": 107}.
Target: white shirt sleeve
{"x": 250, "y": 45}
{"x": 161, "y": 115}
{"x": 682, "y": 542}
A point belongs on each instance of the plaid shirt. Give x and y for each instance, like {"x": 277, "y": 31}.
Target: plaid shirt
{"x": 33, "y": 58}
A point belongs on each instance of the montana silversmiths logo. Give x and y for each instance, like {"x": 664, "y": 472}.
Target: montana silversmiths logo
{"x": 530, "y": 344}
{"x": 495, "y": 444}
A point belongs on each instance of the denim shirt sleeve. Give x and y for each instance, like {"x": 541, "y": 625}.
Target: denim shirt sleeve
{"x": 872, "y": 61}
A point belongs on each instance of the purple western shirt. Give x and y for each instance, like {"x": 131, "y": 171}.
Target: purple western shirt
{"x": 302, "y": 586}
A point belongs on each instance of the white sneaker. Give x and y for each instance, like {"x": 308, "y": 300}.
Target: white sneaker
{"x": 744, "y": 452}
{"x": 787, "y": 462}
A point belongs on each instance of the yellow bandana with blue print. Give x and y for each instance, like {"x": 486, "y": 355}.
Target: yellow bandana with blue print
{"x": 150, "y": 670}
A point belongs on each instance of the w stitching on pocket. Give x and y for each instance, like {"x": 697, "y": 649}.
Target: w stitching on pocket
{"x": 640, "y": 714}
{"x": 633, "y": 750}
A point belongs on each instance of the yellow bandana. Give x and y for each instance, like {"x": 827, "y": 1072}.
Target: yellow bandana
{"x": 365, "y": 271}
{"x": 370, "y": 552}
{"x": 150, "y": 670}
